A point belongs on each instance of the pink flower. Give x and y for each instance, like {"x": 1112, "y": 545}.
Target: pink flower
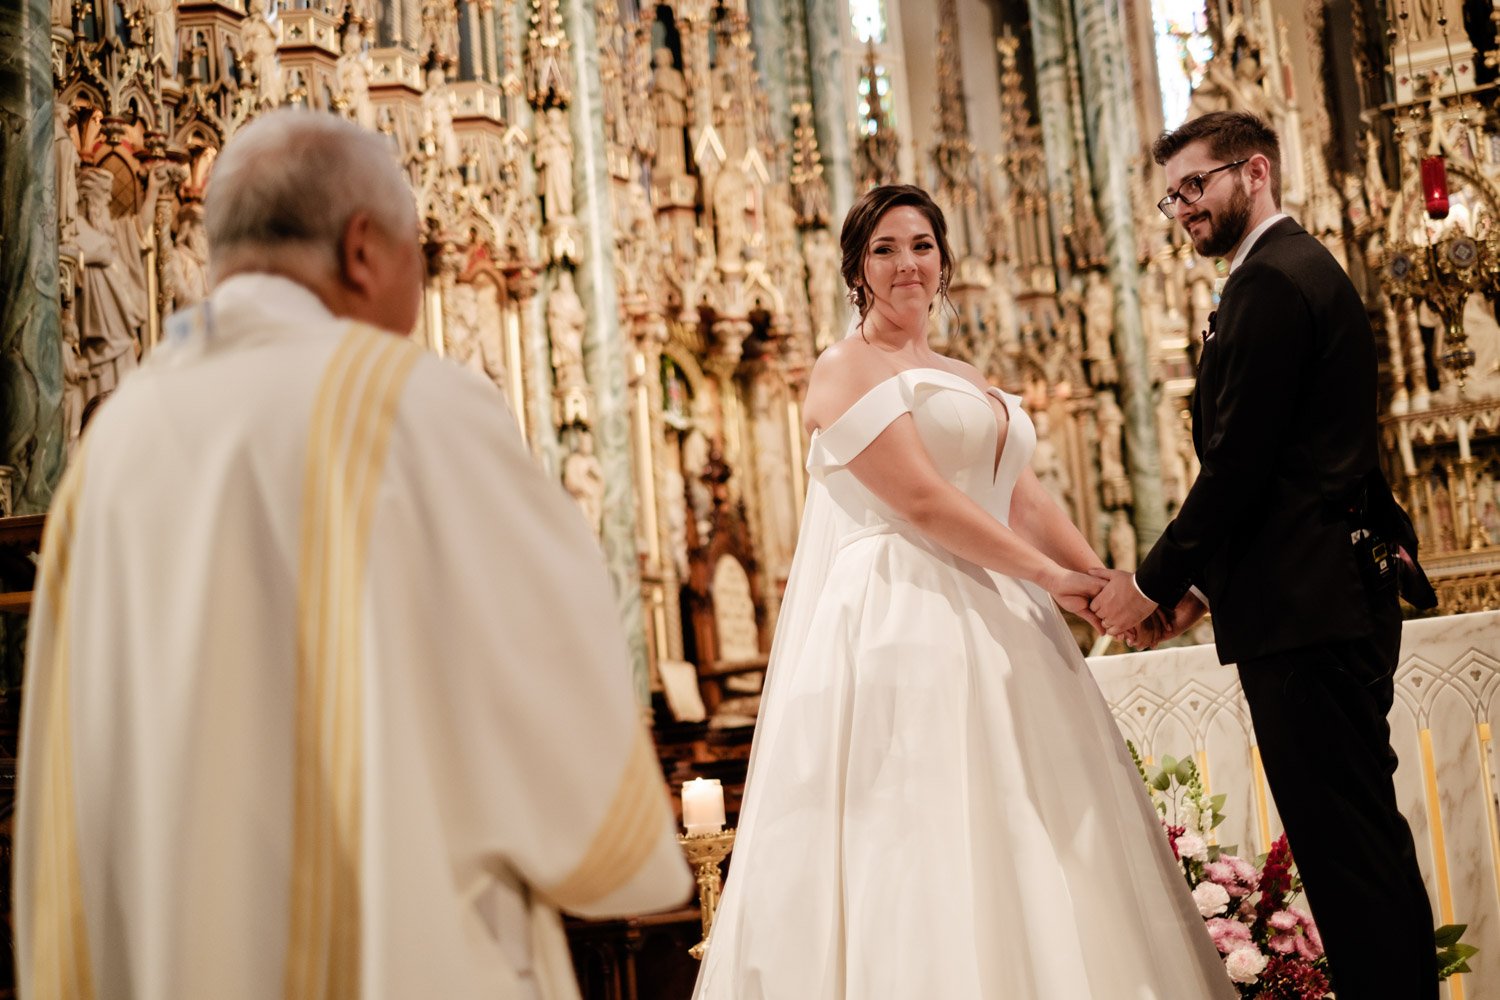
{"x": 1211, "y": 898}
{"x": 1243, "y": 870}
{"x": 1245, "y": 964}
{"x": 1296, "y": 933}
{"x": 1226, "y": 874}
{"x": 1229, "y": 935}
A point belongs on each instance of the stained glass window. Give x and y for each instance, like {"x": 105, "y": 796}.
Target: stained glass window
{"x": 1183, "y": 48}
{"x": 869, "y": 20}
{"x": 873, "y": 108}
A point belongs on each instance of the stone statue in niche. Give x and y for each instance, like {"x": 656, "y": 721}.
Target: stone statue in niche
{"x": 1047, "y": 461}
{"x": 565, "y": 325}
{"x": 1111, "y": 446}
{"x": 773, "y": 470}
{"x": 822, "y": 286}
{"x": 161, "y": 18}
{"x": 1175, "y": 476}
{"x": 259, "y": 39}
{"x": 62, "y": 14}
{"x": 354, "y": 79}
{"x": 1098, "y": 329}
{"x": 669, "y": 100}
{"x": 461, "y": 325}
{"x": 437, "y": 114}
{"x": 675, "y": 517}
{"x": 554, "y": 165}
{"x": 113, "y": 309}
{"x": 190, "y": 258}
{"x": 490, "y": 348}
{"x": 730, "y": 192}
{"x": 583, "y": 478}
{"x": 1122, "y": 546}
{"x": 65, "y": 152}
{"x": 75, "y": 372}
{"x": 640, "y": 111}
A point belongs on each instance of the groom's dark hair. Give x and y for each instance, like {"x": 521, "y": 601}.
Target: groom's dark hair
{"x": 859, "y": 228}
{"x": 1231, "y": 135}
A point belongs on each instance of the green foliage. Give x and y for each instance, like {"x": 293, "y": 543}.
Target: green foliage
{"x": 1453, "y": 955}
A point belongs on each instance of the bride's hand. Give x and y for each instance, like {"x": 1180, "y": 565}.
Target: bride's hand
{"x": 1073, "y": 592}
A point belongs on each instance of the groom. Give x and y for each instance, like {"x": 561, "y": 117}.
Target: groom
{"x": 1292, "y": 534}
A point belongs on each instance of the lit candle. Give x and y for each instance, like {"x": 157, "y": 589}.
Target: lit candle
{"x": 1463, "y": 440}
{"x": 1435, "y": 186}
{"x": 703, "y": 805}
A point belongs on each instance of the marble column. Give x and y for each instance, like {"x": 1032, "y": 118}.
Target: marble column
{"x": 31, "y": 380}
{"x": 1113, "y": 143}
{"x": 831, "y": 109}
{"x": 605, "y": 350}
{"x": 1051, "y": 42}
{"x": 768, "y": 32}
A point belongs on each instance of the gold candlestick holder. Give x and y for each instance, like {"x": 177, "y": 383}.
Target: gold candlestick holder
{"x": 704, "y": 852}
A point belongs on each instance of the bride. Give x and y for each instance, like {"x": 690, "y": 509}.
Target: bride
{"x": 939, "y": 804}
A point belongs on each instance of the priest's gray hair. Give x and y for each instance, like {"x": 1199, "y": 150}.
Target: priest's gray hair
{"x": 287, "y": 184}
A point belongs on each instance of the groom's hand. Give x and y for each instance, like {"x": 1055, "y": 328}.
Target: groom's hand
{"x": 1119, "y": 606}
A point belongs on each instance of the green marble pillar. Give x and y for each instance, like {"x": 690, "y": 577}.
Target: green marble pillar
{"x": 605, "y": 350}
{"x": 769, "y": 34}
{"x": 1113, "y": 142}
{"x": 1051, "y": 44}
{"x": 31, "y": 381}
{"x": 831, "y": 110}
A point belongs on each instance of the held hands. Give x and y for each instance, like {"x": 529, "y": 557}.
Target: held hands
{"x": 1163, "y": 625}
{"x": 1119, "y": 607}
{"x": 1073, "y": 591}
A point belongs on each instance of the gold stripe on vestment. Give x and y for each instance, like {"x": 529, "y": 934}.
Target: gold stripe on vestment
{"x": 60, "y": 966}
{"x": 625, "y": 839}
{"x": 347, "y": 445}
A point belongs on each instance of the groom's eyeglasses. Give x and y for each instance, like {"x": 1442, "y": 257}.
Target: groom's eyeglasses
{"x": 1191, "y": 189}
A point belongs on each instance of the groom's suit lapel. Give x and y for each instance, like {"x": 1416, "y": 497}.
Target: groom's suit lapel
{"x": 1233, "y": 286}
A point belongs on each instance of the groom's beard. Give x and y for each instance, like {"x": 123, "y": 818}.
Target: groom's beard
{"x": 1227, "y": 226}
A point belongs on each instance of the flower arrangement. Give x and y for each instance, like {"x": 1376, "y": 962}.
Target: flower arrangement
{"x": 1271, "y": 948}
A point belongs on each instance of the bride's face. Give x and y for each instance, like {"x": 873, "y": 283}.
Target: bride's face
{"x": 903, "y": 263}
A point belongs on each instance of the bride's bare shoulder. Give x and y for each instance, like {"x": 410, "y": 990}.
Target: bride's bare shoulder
{"x": 842, "y": 374}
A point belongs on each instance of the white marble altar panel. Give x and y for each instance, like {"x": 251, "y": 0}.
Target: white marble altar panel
{"x": 1182, "y": 702}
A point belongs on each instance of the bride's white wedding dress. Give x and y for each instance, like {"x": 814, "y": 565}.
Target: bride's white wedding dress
{"x": 939, "y": 805}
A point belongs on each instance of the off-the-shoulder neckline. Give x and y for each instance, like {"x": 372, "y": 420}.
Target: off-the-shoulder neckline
{"x": 902, "y": 373}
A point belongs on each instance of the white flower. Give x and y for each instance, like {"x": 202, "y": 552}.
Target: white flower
{"x": 1245, "y": 964}
{"x": 1211, "y": 897}
{"x": 1190, "y": 846}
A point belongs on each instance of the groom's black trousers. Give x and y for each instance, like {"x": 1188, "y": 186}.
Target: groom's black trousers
{"x": 1320, "y": 720}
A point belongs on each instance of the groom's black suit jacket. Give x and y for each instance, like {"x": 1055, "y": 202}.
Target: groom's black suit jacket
{"x": 1284, "y": 424}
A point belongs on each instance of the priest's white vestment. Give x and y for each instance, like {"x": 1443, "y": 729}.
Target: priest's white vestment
{"x": 326, "y": 694}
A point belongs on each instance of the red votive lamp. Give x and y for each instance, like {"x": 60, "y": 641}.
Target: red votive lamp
{"x": 1435, "y": 187}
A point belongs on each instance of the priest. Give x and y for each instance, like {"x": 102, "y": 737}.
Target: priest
{"x": 325, "y": 694}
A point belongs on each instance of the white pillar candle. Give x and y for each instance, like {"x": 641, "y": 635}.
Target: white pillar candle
{"x": 703, "y": 805}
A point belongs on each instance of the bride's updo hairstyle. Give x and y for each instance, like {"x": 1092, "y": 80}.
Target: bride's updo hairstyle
{"x": 859, "y": 228}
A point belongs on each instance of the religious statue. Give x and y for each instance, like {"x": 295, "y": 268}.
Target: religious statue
{"x": 583, "y": 478}
{"x": 113, "y": 309}
{"x": 354, "y": 79}
{"x": 62, "y": 15}
{"x": 1122, "y": 547}
{"x": 161, "y": 19}
{"x": 190, "y": 258}
{"x": 1111, "y": 445}
{"x": 1175, "y": 475}
{"x": 75, "y": 372}
{"x": 1098, "y": 329}
{"x": 437, "y": 115}
{"x": 65, "y": 152}
{"x": 822, "y": 286}
{"x": 554, "y": 164}
{"x": 640, "y": 110}
{"x": 565, "y": 325}
{"x": 461, "y": 325}
{"x": 259, "y": 39}
{"x": 675, "y": 517}
{"x": 729, "y": 196}
{"x": 1047, "y": 460}
{"x": 669, "y": 99}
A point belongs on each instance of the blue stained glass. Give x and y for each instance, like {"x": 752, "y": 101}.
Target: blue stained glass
{"x": 1183, "y": 48}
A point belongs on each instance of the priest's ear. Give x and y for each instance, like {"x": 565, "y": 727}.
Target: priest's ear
{"x": 380, "y": 273}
